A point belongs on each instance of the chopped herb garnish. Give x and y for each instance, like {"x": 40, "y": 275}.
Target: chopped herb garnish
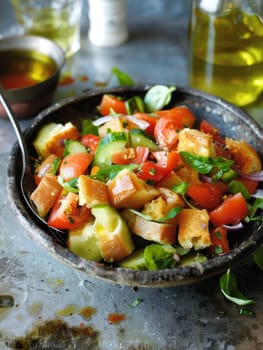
{"x": 136, "y": 302}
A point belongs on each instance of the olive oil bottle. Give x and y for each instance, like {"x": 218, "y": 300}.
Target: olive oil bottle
{"x": 226, "y": 56}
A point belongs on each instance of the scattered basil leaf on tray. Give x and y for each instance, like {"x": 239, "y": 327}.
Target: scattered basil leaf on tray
{"x": 123, "y": 78}
{"x": 229, "y": 288}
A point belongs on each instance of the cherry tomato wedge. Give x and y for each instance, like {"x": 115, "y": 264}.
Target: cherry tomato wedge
{"x": 207, "y": 195}
{"x": 49, "y": 165}
{"x": 152, "y": 171}
{"x": 251, "y": 185}
{"x": 170, "y": 122}
{"x": 182, "y": 114}
{"x": 230, "y": 212}
{"x": 151, "y": 119}
{"x": 219, "y": 241}
{"x": 110, "y": 102}
{"x": 74, "y": 165}
{"x": 66, "y": 213}
{"x": 135, "y": 155}
{"x": 167, "y": 159}
{"x": 90, "y": 141}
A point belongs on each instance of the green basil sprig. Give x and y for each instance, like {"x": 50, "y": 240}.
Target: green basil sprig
{"x": 206, "y": 165}
{"x": 123, "y": 78}
{"x": 229, "y": 288}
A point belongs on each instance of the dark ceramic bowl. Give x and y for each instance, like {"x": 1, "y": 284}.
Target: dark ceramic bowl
{"x": 30, "y": 67}
{"x": 232, "y": 121}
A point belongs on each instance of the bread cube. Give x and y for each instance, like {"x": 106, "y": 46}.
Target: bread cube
{"x": 126, "y": 190}
{"x": 197, "y": 142}
{"x": 193, "y": 229}
{"x": 244, "y": 156}
{"x": 50, "y": 138}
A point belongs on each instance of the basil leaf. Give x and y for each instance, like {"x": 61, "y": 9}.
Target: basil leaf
{"x": 258, "y": 204}
{"x": 123, "y": 78}
{"x": 136, "y": 302}
{"x": 258, "y": 257}
{"x": 159, "y": 256}
{"x": 181, "y": 188}
{"x": 205, "y": 165}
{"x": 88, "y": 127}
{"x": 111, "y": 171}
{"x": 201, "y": 164}
{"x": 238, "y": 187}
{"x": 55, "y": 165}
{"x": 70, "y": 186}
{"x": 171, "y": 214}
{"x": 144, "y": 216}
{"x": 157, "y": 97}
{"x": 229, "y": 288}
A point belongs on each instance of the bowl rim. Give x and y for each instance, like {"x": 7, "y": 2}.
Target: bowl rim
{"x": 20, "y": 42}
{"x": 161, "y": 278}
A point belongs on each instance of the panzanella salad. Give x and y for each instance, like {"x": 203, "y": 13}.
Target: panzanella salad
{"x": 143, "y": 186}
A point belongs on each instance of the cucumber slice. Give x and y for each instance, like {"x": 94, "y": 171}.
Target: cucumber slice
{"x": 83, "y": 242}
{"x": 134, "y": 104}
{"x": 112, "y": 142}
{"x": 74, "y": 147}
{"x": 139, "y": 138}
{"x": 112, "y": 233}
{"x": 134, "y": 261}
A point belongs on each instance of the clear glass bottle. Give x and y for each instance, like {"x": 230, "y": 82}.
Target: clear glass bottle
{"x": 107, "y": 22}
{"x": 226, "y": 49}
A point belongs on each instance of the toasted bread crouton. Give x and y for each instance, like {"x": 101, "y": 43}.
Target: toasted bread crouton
{"x": 126, "y": 190}
{"x": 189, "y": 175}
{"x": 170, "y": 180}
{"x": 116, "y": 124}
{"x": 45, "y": 194}
{"x": 193, "y": 229}
{"x": 92, "y": 192}
{"x": 161, "y": 206}
{"x": 244, "y": 155}
{"x": 150, "y": 230}
{"x": 197, "y": 142}
{"x": 50, "y": 138}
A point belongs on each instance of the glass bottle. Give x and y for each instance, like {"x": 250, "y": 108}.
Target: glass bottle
{"x": 226, "y": 49}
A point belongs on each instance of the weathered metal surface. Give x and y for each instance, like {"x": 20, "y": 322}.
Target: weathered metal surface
{"x": 45, "y": 304}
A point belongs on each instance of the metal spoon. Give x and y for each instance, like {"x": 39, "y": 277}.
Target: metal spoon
{"x": 26, "y": 183}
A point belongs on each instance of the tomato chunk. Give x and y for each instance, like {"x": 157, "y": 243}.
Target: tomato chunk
{"x": 66, "y": 213}
{"x": 167, "y": 159}
{"x": 151, "y": 171}
{"x": 231, "y": 211}
{"x": 150, "y": 119}
{"x": 251, "y": 185}
{"x": 219, "y": 241}
{"x": 90, "y": 141}
{"x": 110, "y": 102}
{"x": 207, "y": 195}
{"x": 135, "y": 155}
{"x": 170, "y": 122}
{"x": 182, "y": 114}
{"x": 74, "y": 165}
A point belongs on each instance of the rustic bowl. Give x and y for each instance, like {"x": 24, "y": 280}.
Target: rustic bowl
{"x": 27, "y": 100}
{"x": 232, "y": 122}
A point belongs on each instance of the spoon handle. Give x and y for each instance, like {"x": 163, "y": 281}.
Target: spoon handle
{"x": 10, "y": 114}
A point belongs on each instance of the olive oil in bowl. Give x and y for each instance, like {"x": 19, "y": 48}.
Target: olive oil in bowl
{"x": 22, "y": 69}
{"x": 227, "y": 54}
